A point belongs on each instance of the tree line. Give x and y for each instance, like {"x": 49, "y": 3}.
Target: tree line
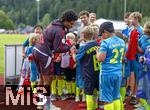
{"x": 24, "y": 12}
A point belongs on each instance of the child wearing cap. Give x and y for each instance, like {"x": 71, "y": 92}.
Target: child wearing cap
{"x": 89, "y": 65}
{"x": 110, "y": 56}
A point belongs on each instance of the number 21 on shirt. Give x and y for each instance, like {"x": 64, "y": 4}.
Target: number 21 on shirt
{"x": 117, "y": 53}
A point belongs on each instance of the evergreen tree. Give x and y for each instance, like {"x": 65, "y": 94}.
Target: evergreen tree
{"x": 25, "y": 11}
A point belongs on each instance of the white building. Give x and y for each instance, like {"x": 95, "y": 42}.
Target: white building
{"x": 118, "y": 25}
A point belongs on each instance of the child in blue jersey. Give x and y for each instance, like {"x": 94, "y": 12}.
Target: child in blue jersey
{"x": 143, "y": 92}
{"x": 136, "y": 18}
{"x": 89, "y": 65}
{"x": 79, "y": 81}
{"x": 37, "y": 30}
{"x": 125, "y": 31}
{"x": 110, "y": 56}
{"x": 125, "y": 72}
{"x": 144, "y": 43}
{"x": 33, "y": 39}
{"x": 25, "y": 69}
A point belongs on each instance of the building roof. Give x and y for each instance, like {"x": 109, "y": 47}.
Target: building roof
{"x": 118, "y": 25}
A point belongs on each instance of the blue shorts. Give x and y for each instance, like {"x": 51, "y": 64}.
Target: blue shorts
{"x": 132, "y": 66}
{"x": 109, "y": 87}
{"x": 144, "y": 86}
{"x": 79, "y": 79}
{"x": 33, "y": 72}
{"x": 126, "y": 69}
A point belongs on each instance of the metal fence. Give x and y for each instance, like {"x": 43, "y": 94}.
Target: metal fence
{"x": 13, "y": 61}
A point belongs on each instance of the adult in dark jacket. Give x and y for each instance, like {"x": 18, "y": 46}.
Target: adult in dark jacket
{"x": 52, "y": 42}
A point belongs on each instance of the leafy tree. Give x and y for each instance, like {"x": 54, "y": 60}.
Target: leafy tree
{"x": 21, "y": 25}
{"x": 25, "y": 11}
{"x": 145, "y": 19}
{"x": 45, "y": 20}
{"x": 5, "y": 21}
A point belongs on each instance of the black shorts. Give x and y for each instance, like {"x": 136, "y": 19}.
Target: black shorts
{"x": 57, "y": 68}
{"x": 41, "y": 63}
{"x": 70, "y": 74}
{"x": 89, "y": 86}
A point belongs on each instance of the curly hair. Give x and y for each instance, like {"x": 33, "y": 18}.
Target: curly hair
{"x": 69, "y": 15}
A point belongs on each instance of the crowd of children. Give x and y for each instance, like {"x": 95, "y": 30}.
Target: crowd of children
{"x": 102, "y": 68}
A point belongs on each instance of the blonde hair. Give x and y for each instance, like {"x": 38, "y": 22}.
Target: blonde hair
{"x": 95, "y": 28}
{"x": 90, "y": 31}
{"x": 70, "y": 35}
{"x": 136, "y": 15}
{"x": 33, "y": 36}
{"x": 146, "y": 29}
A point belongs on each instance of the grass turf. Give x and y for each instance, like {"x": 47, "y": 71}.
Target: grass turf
{"x": 8, "y": 39}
